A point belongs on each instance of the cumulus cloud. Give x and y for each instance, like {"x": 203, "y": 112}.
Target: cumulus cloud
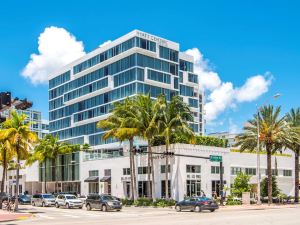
{"x": 253, "y": 88}
{"x": 223, "y": 95}
{"x": 104, "y": 43}
{"x": 208, "y": 79}
{"x": 56, "y": 48}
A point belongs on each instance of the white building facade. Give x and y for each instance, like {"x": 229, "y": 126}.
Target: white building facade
{"x": 188, "y": 176}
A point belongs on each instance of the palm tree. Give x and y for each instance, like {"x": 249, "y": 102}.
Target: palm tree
{"x": 293, "y": 118}
{"x": 117, "y": 127}
{"x": 21, "y": 139}
{"x": 144, "y": 120}
{"x": 172, "y": 118}
{"x": 273, "y": 136}
{"x": 6, "y": 155}
{"x": 49, "y": 149}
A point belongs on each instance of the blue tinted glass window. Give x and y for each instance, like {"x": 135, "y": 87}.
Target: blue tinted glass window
{"x": 158, "y": 76}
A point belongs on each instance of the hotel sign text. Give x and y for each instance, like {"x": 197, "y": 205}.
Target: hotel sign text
{"x": 150, "y": 37}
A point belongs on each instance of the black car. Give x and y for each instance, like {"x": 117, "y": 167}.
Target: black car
{"x": 197, "y": 204}
{"x": 102, "y": 202}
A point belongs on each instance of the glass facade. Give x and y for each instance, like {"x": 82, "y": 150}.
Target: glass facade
{"x": 83, "y": 93}
{"x": 66, "y": 169}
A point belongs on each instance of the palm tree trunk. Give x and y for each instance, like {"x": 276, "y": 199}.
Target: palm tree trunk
{"x": 269, "y": 166}
{"x": 167, "y": 174}
{"x": 297, "y": 176}
{"x": 3, "y": 174}
{"x": 149, "y": 172}
{"x": 133, "y": 174}
{"x": 152, "y": 174}
{"x": 56, "y": 175}
{"x": 17, "y": 178}
{"x": 45, "y": 177}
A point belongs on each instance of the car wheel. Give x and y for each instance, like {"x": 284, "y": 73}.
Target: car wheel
{"x": 43, "y": 204}
{"x": 118, "y": 210}
{"x": 67, "y": 205}
{"x": 104, "y": 208}
{"x": 212, "y": 210}
{"x": 56, "y": 205}
{"x": 88, "y": 207}
{"x": 33, "y": 203}
{"x": 178, "y": 208}
{"x": 197, "y": 208}
{"x": 80, "y": 207}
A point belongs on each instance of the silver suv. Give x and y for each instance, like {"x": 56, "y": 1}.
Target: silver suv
{"x": 68, "y": 201}
{"x": 43, "y": 200}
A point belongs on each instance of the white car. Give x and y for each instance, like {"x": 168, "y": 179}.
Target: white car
{"x": 68, "y": 201}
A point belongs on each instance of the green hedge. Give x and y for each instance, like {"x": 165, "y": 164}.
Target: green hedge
{"x": 199, "y": 140}
{"x": 149, "y": 202}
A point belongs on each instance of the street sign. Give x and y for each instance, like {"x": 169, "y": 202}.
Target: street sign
{"x": 215, "y": 158}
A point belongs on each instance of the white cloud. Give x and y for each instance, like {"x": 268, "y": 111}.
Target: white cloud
{"x": 57, "y": 47}
{"x": 253, "y": 88}
{"x": 208, "y": 79}
{"x": 219, "y": 100}
{"x": 223, "y": 95}
{"x": 104, "y": 43}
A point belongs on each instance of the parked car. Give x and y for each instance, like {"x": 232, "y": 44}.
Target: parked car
{"x": 43, "y": 200}
{"x": 24, "y": 199}
{"x": 3, "y": 197}
{"x": 68, "y": 201}
{"x": 82, "y": 198}
{"x": 197, "y": 204}
{"x": 102, "y": 202}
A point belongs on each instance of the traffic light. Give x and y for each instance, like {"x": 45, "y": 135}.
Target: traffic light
{"x": 137, "y": 150}
{"x": 169, "y": 153}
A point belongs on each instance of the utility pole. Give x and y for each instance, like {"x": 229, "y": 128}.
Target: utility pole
{"x": 221, "y": 182}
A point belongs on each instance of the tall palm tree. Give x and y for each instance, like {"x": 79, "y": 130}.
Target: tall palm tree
{"x": 172, "y": 117}
{"x": 117, "y": 127}
{"x": 293, "y": 118}
{"x": 273, "y": 136}
{"x": 6, "y": 155}
{"x": 49, "y": 149}
{"x": 17, "y": 132}
{"x": 144, "y": 119}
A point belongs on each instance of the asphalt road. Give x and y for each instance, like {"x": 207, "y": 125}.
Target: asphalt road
{"x": 147, "y": 216}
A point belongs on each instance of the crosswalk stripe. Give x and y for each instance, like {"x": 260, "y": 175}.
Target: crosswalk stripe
{"x": 46, "y": 217}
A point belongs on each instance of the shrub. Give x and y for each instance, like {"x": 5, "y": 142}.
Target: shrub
{"x": 164, "y": 203}
{"x": 231, "y": 201}
{"x": 127, "y": 202}
{"x": 264, "y": 187}
{"x": 143, "y": 202}
{"x": 241, "y": 184}
{"x": 199, "y": 140}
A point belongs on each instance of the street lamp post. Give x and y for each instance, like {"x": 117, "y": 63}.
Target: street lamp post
{"x": 258, "y": 151}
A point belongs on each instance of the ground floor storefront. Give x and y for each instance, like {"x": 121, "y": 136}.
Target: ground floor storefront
{"x": 84, "y": 173}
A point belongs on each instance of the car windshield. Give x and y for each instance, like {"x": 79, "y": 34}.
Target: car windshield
{"x": 48, "y": 196}
{"x": 71, "y": 197}
{"x": 107, "y": 198}
{"x": 24, "y": 196}
{"x": 204, "y": 199}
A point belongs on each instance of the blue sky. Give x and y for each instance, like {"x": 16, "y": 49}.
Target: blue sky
{"x": 240, "y": 39}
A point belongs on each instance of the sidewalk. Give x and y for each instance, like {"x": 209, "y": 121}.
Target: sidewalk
{"x": 11, "y": 216}
{"x": 257, "y": 207}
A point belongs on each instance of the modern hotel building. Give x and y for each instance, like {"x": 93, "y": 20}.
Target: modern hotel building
{"x": 82, "y": 93}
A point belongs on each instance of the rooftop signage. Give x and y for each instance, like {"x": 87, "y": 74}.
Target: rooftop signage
{"x": 150, "y": 37}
